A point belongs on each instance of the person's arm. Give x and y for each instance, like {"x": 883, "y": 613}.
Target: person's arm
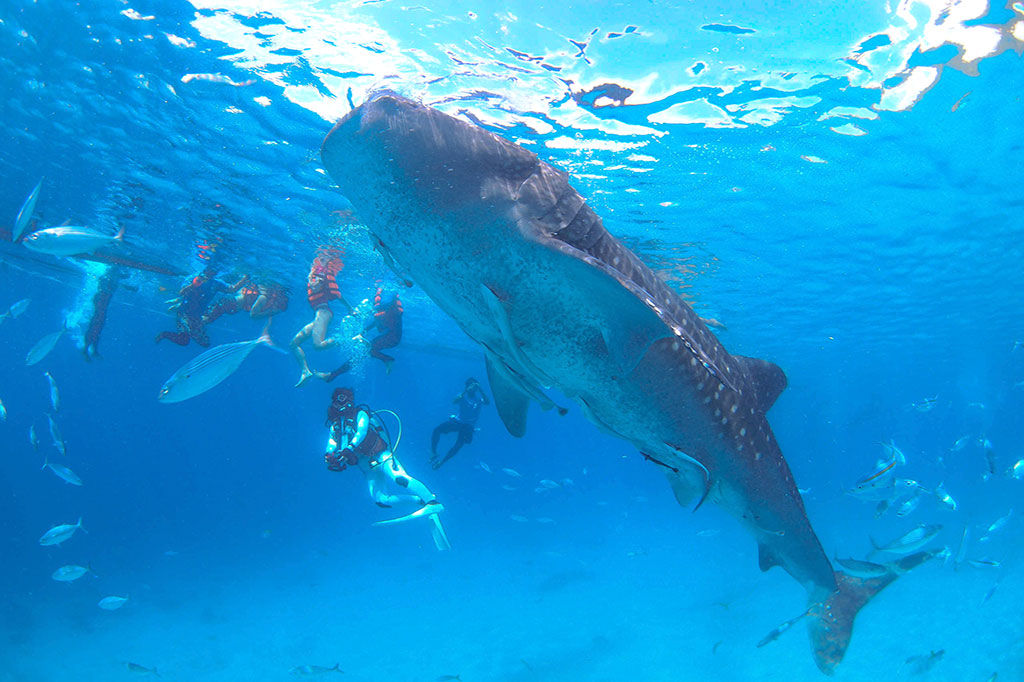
{"x": 331, "y": 457}
{"x": 483, "y": 395}
{"x": 234, "y": 287}
{"x": 362, "y": 428}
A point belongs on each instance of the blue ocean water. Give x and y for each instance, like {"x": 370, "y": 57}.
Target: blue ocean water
{"x": 838, "y": 186}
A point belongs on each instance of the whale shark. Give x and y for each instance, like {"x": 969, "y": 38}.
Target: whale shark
{"x": 502, "y": 242}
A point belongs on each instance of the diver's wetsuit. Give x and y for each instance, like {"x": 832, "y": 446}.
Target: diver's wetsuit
{"x": 100, "y": 301}
{"x": 387, "y": 319}
{"x": 470, "y": 403}
{"x": 195, "y": 296}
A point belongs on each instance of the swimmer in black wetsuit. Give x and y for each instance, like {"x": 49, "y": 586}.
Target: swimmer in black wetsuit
{"x": 470, "y": 402}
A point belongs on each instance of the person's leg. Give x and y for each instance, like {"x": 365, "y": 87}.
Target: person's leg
{"x": 379, "y": 343}
{"x": 321, "y": 322}
{"x": 225, "y": 306}
{"x": 377, "y": 479}
{"x": 300, "y": 355}
{"x": 397, "y": 473}
{"x": 464, "y": 436}
{"x": 444, "y": 427}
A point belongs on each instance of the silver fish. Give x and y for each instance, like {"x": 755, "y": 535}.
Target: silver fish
{"x": 548, "y": 483}
{"x": 112, "y": 603}
{"x": 512, "y": 472}
{"x": 862, "y": 569}
{"x": 27, "y": 209}
{"x": 483, "y": 467}
{"x": 140, "y": 669}
{"x": 307, "y": 670}
{"x": 70, "y": 573}
{"x": 70, "y": 241}
{"x": 894, "y": 453}
{"x": 983, "y": 563}
{"x": 910, "y": 542}
{"x": 961, "y": 553}
{"x": 909, "y": 505}
{"x": 59, "y": 534}
{"x": 1017, "y": 470}
{"x": 925, "y": 405}
{"x": 58, "y": 438}
{"x": 1000, "y": 522}
{"x": 44, "y": 346}
{"x": 64, "y": 472}
{"x": 18, "y": 308}
{"x": 54, "y": 392}
{"x": 209, "y": 369}
{"x": 33, "y": 438}
{"x": 3, "y": 412}
{"x": 944, "y": 497}
{"x": 960, "y": 444}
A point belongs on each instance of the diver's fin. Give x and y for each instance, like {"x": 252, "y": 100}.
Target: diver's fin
{"x": 509, "y": 400}
{"x": 767, "y": 378}
{"x": 440, "y": 537}
{"x": 429, "y": 509}
{"x": 830, "y": 621}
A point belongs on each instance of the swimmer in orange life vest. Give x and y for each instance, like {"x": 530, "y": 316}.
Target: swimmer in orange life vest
{"x": 190, "y": 306}
{"x": 321, "y": 289}
{"x": 358, "y": 439}
{"x": 260, "y": 300}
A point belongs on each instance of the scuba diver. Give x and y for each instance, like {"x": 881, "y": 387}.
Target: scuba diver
{"x": 191, "y": 304}
{"x": 321, "y": 289}
{"x": 470, "y": 402}
{"x": 260, "y": 300}
{"x": 358, "y": 439}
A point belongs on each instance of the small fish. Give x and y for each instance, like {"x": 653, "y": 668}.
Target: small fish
{"x": 568, "y": 483}
{"x": 960, "y": 444}
{"x": 894, "y": 454}
{"x": 62, "y": 471}
{"x": 506, "y": 486}
{"x": 990, "y": 593}
{"x": 910, "y": 542}
{"x": 215, "y": 78}
{"x": 998, "y": 524}
{"x": 925, "y": 405}
{"x": 54, "y": 392}
{"x": 518, "y": 518}
{"x": 984, "y": 563}
{"x": 209, "y": 369}
{"x": 922, "y": 663}
{"x": 59, "y": 534}
{"x": 140, "y": 669}
{"x": 70, "y": 241}
{"x": 909, "y": 505}
{"x": 18, "y": 308}
{"x": 58, "y": 438}
{"x": 1017, "y": 470}
{"x": 70, "y": 573}
{"x": 979, "y": 406}
{"x": 27, "y": 209}
{"x": 315, "y": 669}
{"x": 3, "y": 412}
{"x": 862, "y": 569}
{"x": 448, "y": 678}
{"x": 944, "y": 497}
{"x": 544, "y": 519}
{"x": 111, "y": 603}
{"x": 33, "y": 438}
{"x": 549, "y": 484}
{"x": 512, "y": 472}
{"x": 774, "y": 634}
{"x": 962, "y": 551}
{"x": 483, "y": 466}
{"x": 990, "y": 455}
{"x": 44, "y": 346}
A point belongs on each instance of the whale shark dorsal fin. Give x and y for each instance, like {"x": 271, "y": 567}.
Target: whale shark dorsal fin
{"x": 767, "y": 379}
{"x": 765, "y": 558}
{"x": 509, "y": 400}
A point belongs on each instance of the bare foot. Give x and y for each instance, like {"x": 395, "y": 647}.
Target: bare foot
{"x": 306, "y": 376}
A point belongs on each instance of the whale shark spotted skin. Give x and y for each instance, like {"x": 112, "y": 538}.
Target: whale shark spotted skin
{"x": 503, "y": 243}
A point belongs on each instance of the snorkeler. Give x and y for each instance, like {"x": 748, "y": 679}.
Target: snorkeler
{"x": 321, "y": 289}
{"x": 260, "y": 300}
{"x": 387, "y": 320}
{"x": 190, "y": 306}
{"x": 100, "y": 300}
{"x": 358, "y": 439}
{"x": 470, "y": 402}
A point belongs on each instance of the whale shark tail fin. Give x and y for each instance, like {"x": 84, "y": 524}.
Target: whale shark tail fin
{"x": 830, "y": 620}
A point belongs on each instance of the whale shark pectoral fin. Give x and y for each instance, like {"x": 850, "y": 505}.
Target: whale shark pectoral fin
{"x": 684, "y": 488}
{"x": 500, "y": 316}
{"x": 767, "y": 378}
{"x": 509, "y": 399}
